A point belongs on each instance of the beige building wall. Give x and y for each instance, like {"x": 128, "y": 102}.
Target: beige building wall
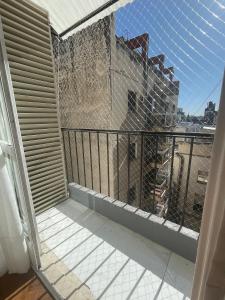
{"x": 196, "y": 191}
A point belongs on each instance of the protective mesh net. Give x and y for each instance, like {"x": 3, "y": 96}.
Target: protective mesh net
{"x": 151, "y": 66}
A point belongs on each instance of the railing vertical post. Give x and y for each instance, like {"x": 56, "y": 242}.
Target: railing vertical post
{"x": 64, "y": 148}
{"x": 155, "y": 174}
{"x": 82, "y": 141}
{"x": 187, "y": 181}
{"x": 107, "y": 143}
{"x": 141, "y": 171}
{"x": 90, "y": 148}
{"x": 128, "y": 166}
{"x": 70, "y": 156}
{"x": 99, "y": 164}
{"x": 78, "y": 171}
{"x": 171, "y": 176}
{"x": 118, "y": 167}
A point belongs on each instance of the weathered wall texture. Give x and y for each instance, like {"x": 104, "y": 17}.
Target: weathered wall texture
{"x": 84, "y": 81}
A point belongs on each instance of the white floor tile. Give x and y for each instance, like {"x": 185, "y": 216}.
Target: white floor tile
{"x": 113, "y": 261}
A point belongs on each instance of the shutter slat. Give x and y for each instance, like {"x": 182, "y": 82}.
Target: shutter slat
{"x": 28, "y": 80}
{"x": 12, "y": 6}
{"x": 38, "y": 161}
{"x": 55, "y": 163}
{"x": 41, "y": 201}
{"x": 27, "y": 29}
{"x": 39, "y": 176}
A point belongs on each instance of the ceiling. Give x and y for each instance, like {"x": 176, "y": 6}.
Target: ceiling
{"x": 78, "y": 13}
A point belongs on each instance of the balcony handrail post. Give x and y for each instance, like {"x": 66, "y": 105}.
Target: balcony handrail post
{"x": 107, "y": 143}
{"x": 90, "y": 153}
{"x": 171, "y": 176}
{"x": 64, "y": 148}
{"x": 187, "y": 181}
{"x": 99, "y": 164}
{"x": 84, "y": 167}
{"x": 70, "y": 156}
{"x": 128, "y": 167}
{"x": 141, "y": 171}
{"x": 155, "y": 175}
{"x": 117, "y": 163}
{"x": 78, "y": 171}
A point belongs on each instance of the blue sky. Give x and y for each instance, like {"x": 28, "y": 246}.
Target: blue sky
{"x": 191, "y": 34}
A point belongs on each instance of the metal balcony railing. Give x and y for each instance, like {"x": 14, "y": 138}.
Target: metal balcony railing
{"x": 130, "y": 166}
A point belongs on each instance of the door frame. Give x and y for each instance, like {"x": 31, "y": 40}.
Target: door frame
{"x": 19, "y": 161}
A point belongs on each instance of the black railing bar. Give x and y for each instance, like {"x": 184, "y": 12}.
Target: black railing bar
{"x": 136, "y": 132}
{"x": 82, "y": 142}
{"x": 78, "y": 172}
{"x": 64, "y": 148}
{"x": 155, "y": 175}
{"x": 141, "y": 172}
{"x": 171, "y": 176}
{"x": 90, "y": 148}
{"x": 99, "y": 164}
{"x": 118, "y": 167}
{"x": 128, "y": 167}
{"x": 70, "y": 156}
{"x": 107, "y": 144}
{"x": 187, "y": 181}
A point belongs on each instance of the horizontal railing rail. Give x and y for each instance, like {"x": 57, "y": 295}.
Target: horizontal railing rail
{"x": 126, "y": 165}
{"x": 145, "y": 132}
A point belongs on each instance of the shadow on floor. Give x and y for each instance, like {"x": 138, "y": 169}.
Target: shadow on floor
{"x": 113, "y": 261}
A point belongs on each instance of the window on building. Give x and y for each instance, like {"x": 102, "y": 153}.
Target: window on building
{"x": 132, "y": 151}
{"x": 132, "y": 101}
{"x": 131, "y": 195}
{"x": 174, "y": 107}
{"x": 202, "y": 177}
{"x": 198, "y": 203}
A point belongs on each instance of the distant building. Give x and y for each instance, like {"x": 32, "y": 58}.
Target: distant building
{"x": 180, "y": 115}
{"x": 200, "y": 163}
{"x": 210, "y": 114}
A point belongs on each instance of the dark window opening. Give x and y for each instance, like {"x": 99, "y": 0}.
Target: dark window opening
{"x": 132, "y": 101}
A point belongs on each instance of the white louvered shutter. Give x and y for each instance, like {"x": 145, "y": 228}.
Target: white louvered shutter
{"x": 28, "y": 45}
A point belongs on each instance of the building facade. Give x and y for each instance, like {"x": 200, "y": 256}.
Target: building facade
{"x": 210, "y": 113}
{"x": 107, "y": 82}
{"x": 191, "y": 204}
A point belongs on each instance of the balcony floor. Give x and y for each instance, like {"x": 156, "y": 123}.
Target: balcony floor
{"x": 87, "y": 256}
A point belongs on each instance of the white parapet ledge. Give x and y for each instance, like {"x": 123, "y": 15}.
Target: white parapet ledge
{"x": 180, "y": 240}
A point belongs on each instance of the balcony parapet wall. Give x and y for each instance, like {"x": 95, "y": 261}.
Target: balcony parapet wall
{"x": 181, "y": 240}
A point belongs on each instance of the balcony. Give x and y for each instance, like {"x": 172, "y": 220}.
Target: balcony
{"x": 96, "y": 245}
{"x": 86, "y": 255}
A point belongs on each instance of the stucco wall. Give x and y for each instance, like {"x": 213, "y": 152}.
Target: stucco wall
{"x": 84, "y": 79}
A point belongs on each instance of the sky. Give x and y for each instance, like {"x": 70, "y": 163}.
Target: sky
{"x": 191, "y": 34}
